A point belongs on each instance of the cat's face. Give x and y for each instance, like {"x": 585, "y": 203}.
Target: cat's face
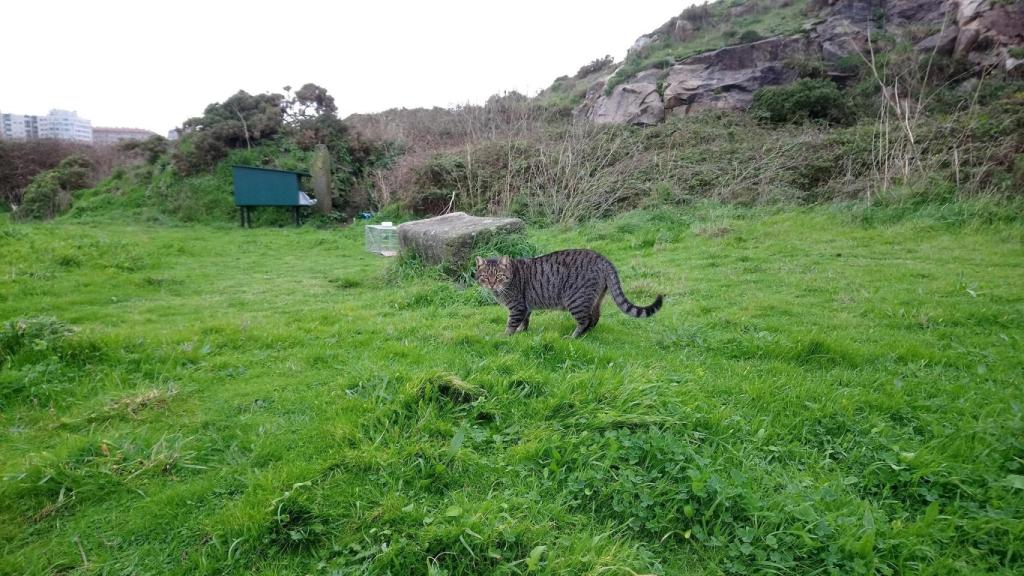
{"x": 493, "y": 274}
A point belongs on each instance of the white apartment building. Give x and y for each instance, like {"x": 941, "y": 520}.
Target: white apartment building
{"x": 18, "y": 127}
{"x": 65, "y": 125}
{"x": 60, "y": 124}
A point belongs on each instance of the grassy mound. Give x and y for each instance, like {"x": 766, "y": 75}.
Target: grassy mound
{"x": 154, "y": 192}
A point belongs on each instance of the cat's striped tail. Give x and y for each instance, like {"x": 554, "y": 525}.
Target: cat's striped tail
{"x": 623, "y": 303}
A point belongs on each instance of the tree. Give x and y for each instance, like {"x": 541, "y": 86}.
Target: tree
{"x": 308, "y": 102}
{"x": 241, "y": 120}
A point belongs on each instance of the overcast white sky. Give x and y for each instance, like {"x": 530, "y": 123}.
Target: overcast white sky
{"x": 154, "y": 64}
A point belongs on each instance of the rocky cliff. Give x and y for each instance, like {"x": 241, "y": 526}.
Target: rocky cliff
{"x": 983, "y": 33}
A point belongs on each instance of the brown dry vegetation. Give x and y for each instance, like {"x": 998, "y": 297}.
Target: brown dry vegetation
{"x": 914, "y": 138}
{"x": 20, "y": 161}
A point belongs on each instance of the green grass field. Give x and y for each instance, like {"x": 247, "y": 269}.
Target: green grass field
{"x": 824, "y": 392}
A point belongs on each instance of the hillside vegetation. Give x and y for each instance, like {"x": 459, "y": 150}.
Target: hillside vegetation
{"x": 893, "y": 123}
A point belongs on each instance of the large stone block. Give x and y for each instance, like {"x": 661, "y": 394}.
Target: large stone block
{"x": 451, "y": 238}
{"x": 636, "y": 102}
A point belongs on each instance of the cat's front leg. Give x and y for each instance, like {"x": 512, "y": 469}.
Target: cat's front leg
{"x": 518, "y": 318}
{"x": 525, "y": 323}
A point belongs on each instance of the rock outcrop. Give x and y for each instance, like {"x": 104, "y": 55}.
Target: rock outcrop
{"x": 979, "y": 31}
{"x": 451, "y": 238}
{"x": 847, "y": 24}
{"x": 942, "y": 42}
{"x": 987, "y": 31}
{"x": 727, "y": 78}
{"x": 635, "y": 102}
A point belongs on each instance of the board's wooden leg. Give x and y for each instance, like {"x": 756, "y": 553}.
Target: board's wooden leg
{"x": 296, "y": 211}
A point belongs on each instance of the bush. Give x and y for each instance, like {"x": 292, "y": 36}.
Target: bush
{"x": 151, "y": 149}
{"x": 43, "y": 198}
{"x": 699, "y": 15}
{"x": 748, "y": 36}
{"x": 595, "y": 66}
{"x": 434, "y": 181}
{"x": 197, "y": 154}
{"x": 808, "y": 67}
{"x": 49, "y": 194}
{"x": 805, "y": 99}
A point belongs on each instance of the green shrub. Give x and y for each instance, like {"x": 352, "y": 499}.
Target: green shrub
{"x": 152, "y": 149}
{"x": 434, "y": 180}
{"x": 199, "y": 153}
{"x": 49, "y": 194}
{"x": 596, "y": 66}
{"x": 663, "y": 63}
{"x": 44, "y": 198}
{"x": 808, "y": 67}
{"x": 748, "y": 36}
{"x": 805, "y": 99}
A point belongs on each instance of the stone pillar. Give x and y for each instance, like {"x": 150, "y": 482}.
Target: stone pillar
{"x": 321, "y": 172}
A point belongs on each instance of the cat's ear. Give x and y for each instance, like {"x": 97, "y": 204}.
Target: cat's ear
{"x": 504, "y": 260}
{"x": 479, "y": 261}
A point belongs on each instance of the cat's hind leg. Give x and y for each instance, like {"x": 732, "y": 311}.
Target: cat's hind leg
{"x": 583, "y": 325}
{"x": 584, "y": 320}
{"x": 595, "y": 311}
{"x": 581, "y": 306}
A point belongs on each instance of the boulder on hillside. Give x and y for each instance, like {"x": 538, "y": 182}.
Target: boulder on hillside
{"x": 593, "y": 96}
{"x": 682, "y": 30}
{"x": 988, "y": 31}
{"x": 848, "y": 23}
{"x": 751, "y": 55}
{"x": 902, "y": 13}
{"x": 637, "y": 102}
{"x": 696, "y": 87}
{"x": 941, "y": 43}
{"x": 451, "y": 238}
{"x": 727, "y": 78}
{"x": 639, "y": 46}
{"x": 980, "y": 31}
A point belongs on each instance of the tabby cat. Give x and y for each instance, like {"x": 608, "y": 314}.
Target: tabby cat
{"x": 573, "y": 280}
